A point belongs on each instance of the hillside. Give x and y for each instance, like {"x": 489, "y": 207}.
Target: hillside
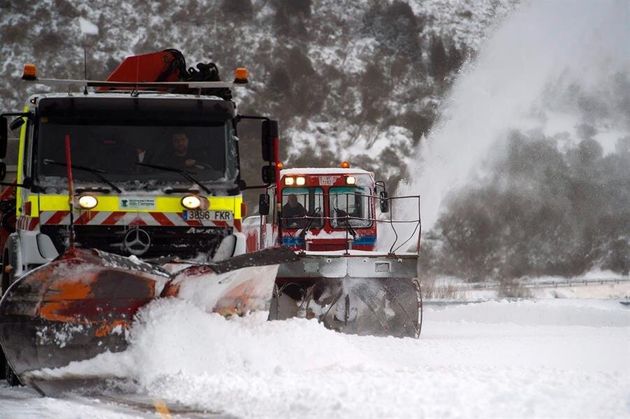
{"x": 359, "y": 81}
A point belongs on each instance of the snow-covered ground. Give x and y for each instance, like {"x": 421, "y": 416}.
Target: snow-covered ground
{"x": 544, "y": 358}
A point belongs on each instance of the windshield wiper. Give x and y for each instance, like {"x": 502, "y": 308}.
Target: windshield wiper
{"x": 183, "y": 173}
{"x": 312, "y": 218}
{"x": 99, "y": 189}
{"x": 346, "y": 221}
{"x": 95, "y": 172}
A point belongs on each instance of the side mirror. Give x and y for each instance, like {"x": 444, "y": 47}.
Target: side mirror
{"x": 16, "y": 123}
{"x": 263, "y": 204}
{"x": 268, "y": 174}
{"x": 269, "y": 132}
{"x": 384, "y": 201}
{"x": 4, "y": 135}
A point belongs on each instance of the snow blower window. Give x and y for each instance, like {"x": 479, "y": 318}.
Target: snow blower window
{"x": 302, "y": 207}
{"x": 116, "y": 150}
{"x": 350, "y": 205}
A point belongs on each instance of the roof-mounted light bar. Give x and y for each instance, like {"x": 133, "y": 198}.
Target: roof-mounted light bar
{"x": 241, "y": 74}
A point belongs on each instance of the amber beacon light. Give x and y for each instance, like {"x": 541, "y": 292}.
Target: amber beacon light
{"x": 30, "y": 72}
{"x": 240, "y": 75}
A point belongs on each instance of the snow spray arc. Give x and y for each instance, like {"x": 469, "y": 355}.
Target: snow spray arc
{"x": 525, "y": 77}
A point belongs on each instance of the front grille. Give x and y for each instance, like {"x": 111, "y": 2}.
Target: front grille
{"x": 184, "y": 242}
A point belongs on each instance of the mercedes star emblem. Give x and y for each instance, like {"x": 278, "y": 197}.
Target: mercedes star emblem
{"x": 137, "y": 241}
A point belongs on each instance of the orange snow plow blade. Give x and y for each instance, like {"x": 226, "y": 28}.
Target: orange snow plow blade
{"x": 82, "y": 303}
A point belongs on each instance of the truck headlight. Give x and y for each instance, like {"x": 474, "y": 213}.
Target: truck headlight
{"x": 351, "y": 180}
{"x": 88, "y": 201}
{"x": 300, "y": 180}
{"x": 191, "y": 202}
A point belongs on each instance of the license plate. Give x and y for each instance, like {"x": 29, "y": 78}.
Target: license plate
{"x": 202, "y": 215}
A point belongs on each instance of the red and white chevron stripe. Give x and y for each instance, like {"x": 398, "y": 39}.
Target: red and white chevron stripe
{"x": 121, "y": 218}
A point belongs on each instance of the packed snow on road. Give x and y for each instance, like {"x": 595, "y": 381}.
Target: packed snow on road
{"x": 545, "y": 358}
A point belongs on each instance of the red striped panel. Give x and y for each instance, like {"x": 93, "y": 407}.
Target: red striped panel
{"x": 137, "y": 221}
{"x": 86, "y": 216}
{"x": 57, "y": 217}
{"x": 34, "y": 223}
{"x": 161, "y": 219}
{"x": 113, "y": 218}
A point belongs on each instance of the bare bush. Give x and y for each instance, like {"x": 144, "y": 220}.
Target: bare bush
{"x": 433, "y": 291}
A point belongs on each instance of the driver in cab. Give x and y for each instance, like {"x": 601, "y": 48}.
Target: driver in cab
{"x": 181, "y": 157}
{"x": 178, "y": 154}
{"x": 293, "y": 213}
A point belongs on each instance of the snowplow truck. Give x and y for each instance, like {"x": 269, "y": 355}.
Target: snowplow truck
{"x": 118, "y": 182}
{"x": 331, "y": 218}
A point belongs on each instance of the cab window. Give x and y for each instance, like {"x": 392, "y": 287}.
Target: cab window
{"x": 302, "y": 207}
{"x": 350, "y": 206}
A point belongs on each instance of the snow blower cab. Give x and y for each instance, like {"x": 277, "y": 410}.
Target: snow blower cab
{"x": 331, "y": 218}
{"x": 145, "y": 164}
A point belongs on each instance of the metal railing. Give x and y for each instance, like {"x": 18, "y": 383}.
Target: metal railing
{"x": 404, "y": 211}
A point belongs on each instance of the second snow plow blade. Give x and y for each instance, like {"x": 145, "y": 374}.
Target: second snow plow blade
{"x": 82, "y": 303}
{"x": 367, "y": 294}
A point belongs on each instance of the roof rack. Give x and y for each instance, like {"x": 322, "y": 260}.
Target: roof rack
{"x": 30, "y": 75}
{"x": 143, "y": 85}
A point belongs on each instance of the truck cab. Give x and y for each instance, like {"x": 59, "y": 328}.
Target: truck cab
{"x": 339, "y": 209}
{"x": 322, "y": 209}
{"x": 151, "y": 172}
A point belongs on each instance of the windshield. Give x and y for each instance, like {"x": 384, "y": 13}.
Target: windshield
{"x": 350, "y": 205}
{"x": 205, "y": 151}
{"x": 302, "y": 207}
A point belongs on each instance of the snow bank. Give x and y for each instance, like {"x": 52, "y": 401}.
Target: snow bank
{"x": 212, "y": 344}
{"x": 492, "y": 359}
{"x": 555, "y": 358}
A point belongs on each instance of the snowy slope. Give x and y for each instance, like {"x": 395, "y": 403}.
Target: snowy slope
{"x": 308, "y": 60}
{"x": 497, "y": 359}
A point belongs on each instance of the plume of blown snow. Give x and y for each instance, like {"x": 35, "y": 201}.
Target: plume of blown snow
{"x": 544, "y": 50}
